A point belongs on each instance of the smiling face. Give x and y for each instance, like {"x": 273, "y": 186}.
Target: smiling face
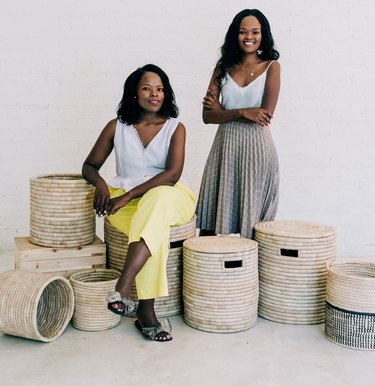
{"x": 150, "y": 92}
{"x": 249, "y": 34}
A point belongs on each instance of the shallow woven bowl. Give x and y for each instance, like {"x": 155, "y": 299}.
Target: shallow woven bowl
{"x": 34, "y": 305}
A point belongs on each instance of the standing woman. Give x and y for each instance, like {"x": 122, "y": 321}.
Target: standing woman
{"x": 241, "y": 177}
{"x": 146, "y": 197}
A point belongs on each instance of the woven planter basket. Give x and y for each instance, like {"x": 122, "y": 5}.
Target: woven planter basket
{"x": 90, "y": 291}
{"x": 61, "y": 211}
{"x": 220, "y": 283}
{"x": 293, "y": 258}
{"x": 117, "y": 248}
{"x": 34, "y": 305}
{"x": 350, "y": 304}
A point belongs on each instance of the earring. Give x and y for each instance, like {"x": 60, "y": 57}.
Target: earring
{"x": 135, "y": 97}
{"x": 259, "y": 52}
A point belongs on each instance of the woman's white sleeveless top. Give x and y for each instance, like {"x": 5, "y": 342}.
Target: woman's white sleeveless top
{"x": 135, "y": 164}
{"x": 234, "y": 96}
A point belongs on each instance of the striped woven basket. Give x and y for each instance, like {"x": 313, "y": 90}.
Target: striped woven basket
{"x": 90, "y": 291}
{"x": 220, "y": 283}
{"x": 292, "y": 270}
{"x": 34, "y": 305}
{"x": 61, "y": 211}
{"x": 350, "y": 304}
{"x": 117, "y": 248}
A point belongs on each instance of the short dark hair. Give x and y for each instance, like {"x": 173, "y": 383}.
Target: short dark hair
{"x": 231, "y": 53}
{"x": 128, "y": 110}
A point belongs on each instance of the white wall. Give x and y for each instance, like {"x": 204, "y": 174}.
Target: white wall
{"x": 63, "y": 65}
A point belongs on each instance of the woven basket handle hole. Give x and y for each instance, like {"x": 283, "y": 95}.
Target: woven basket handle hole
{"x": 230, "y": 264}
{"x": 289, "y": 252}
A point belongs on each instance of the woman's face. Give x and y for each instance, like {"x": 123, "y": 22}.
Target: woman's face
{"x": 249, "y": 34}
{"x": 150, "y": 92}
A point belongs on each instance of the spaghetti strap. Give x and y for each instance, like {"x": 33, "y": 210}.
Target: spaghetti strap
{"x": 269, "y": 64}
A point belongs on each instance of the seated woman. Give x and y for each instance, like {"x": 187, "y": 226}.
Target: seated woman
{"x": 146, "y": 197}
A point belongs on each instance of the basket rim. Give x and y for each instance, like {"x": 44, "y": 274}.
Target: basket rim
{"x": 357, "y": 262}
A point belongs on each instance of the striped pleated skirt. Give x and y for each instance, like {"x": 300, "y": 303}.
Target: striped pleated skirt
{"x": 240, "y": 182}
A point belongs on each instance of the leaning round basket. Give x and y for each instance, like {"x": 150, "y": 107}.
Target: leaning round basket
{"x": 61, "y": 211}
{"x": 35, "y": 305}
{"x": 90, "y": 291}
{"x": 350, "y": 304}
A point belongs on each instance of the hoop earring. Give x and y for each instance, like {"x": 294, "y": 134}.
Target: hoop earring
{"x": 259, "y": 52}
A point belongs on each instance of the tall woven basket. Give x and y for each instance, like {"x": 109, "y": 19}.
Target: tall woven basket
{"x": 90, "y": 291}
{"x": 61, "y": 211}
{"x": 220, "y": 283}
{"x": 117, "y": 248}
{"x": 292, "y": 270}
{"x": 34, "y": 305}
{"x": 350, "y": 304}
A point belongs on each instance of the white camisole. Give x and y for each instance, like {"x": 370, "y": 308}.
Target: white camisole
{"x": 234, "y": 96}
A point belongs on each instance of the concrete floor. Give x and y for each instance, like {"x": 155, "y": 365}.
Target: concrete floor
{"x": 268, "y": 354}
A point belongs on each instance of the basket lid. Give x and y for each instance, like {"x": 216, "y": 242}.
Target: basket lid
{"x": 220, "y": 244}
{"x": 295, "y": 229}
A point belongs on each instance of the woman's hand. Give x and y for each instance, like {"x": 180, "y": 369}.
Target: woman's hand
{"x": 258, "y": 115}
{"x": 119, "y": 202}
{"x": 210, "y": 102}
{"x": 101, "y": 198}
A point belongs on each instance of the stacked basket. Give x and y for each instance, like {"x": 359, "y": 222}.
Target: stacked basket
{"x": 61, "y": 211}
{"x": 220, "y": 284}
{"x": 117, "y": 248}
{"x": 350, "y": 304}
{"x": 293, "y": 257}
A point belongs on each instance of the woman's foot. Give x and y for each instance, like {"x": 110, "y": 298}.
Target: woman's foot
{"x": 120, "y": 305}
{"x": 156, "y": 333}
{"x": 148, "y": 324}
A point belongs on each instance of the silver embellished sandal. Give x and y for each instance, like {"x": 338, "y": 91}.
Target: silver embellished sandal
{"x": 158, "y": 333}
{"x": 128, "y": 307}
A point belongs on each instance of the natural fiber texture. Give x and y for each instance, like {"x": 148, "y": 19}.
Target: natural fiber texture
{"x": 220, "y": 289}
{"x": 61, "y": 211}
{"x": 117, "y": 248}
{"x": 351, "y": 285}
{"x": 350, "y": 329}
{"x": 292, "y": 270}
{"x": 295, "y": 229}
{"x": 90, "y": 291}
{"x": 34, "y": 305}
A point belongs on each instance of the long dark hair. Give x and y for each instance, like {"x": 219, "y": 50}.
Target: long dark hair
{"x": 128, "y": 110}
{"x": 231, "y": 53}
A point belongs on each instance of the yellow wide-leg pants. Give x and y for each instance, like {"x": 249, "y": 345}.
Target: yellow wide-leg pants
{"x": 149, "y": 217}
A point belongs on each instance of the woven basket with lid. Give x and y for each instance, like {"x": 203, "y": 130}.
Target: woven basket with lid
{"x": 220, "y": 283}
{"x": 292, "y": 270}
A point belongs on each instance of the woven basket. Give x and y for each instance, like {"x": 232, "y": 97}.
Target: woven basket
{"x": 34, "y": 305}
{"x": 90, "y": 291}
{"x": 117, "y": 248}
{"x": 292, "y": 270}
{"x": 220, "y": 283}
{"x": 350, "y": 304}
{"x": 61, "y": 211}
